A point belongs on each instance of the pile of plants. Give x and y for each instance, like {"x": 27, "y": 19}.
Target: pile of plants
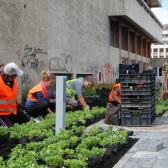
{"x": 66, "y": 149}
{"x": 98, "y": 88}
{"x": 44, "y": 128}
{"x": 39, "y": 147}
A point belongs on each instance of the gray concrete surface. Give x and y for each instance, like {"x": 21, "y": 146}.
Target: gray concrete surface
{"x": 151, "y": 150}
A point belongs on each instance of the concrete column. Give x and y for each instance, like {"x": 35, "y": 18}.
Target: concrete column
{"x": 164, "y": 50}
{"x": 129, "y": 61}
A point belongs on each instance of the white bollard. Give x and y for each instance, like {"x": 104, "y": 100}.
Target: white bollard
{"x": 60, "y": 103}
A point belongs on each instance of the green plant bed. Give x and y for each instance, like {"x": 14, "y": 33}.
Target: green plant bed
{"x": 161, "y": 107}
{"x": 66, "y": 149}
{"x": 34, "y": 132}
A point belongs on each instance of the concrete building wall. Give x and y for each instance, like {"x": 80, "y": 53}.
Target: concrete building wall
{"x": 10, "y": 16}
{"x": 78, "y": 35}
{"x": 139, "y": 13}
{"x": 66, "y": 36}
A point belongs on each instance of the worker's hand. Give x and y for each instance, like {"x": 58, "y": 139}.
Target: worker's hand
{"x": 86, "y": 107}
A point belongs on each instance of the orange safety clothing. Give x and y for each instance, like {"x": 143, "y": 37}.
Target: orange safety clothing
{"x": 38, "y": 88}
{"x": 8, "y": 98}
{"x": 112, "y": 93}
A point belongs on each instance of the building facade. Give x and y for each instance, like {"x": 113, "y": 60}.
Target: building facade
{"x": 77, "y": 37}
{"x": 160, "y": 51}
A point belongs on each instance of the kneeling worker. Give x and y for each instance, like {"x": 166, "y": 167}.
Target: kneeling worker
{"x": 75, "y": 88}
{"x": 113, "y": 106}
{"x": 8, "y": 94}
{"x": 37, "y": 102}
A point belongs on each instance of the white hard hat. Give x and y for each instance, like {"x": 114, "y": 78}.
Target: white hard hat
{"x": 12, "y": 69}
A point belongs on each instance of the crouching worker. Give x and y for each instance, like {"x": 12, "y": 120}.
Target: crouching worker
{"x": 37, "y": 103}
{"x": 113, "y": 107}
{"x": 8, "y": 94}
{"x": 74, "y": 91}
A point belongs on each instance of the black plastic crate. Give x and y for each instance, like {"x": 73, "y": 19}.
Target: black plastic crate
{"x": 139, "y": 85}
{"x": 137, "y": 97}
{"x": 134, "y": 80}
{"x": 124, "y": 68}
{"x": 136, "y": 77}
{"x": 137, "y": 93}
{"x": 138, "y": 110}
{"x": 142, "y": 119}
{"x": 138, "y": 105}
{"x": 138, "y": 89}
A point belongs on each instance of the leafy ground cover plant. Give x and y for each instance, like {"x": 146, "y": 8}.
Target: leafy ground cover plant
{"x": 161, "y": 107}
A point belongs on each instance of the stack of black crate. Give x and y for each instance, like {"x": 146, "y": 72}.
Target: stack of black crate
{"x": 138, "y": 96}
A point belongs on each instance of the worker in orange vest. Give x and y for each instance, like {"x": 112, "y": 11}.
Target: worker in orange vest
{"x": 8, "y": 93}
{"x": 37, "y": 103}
{"x": 113, "y": 106}
{"x": 115, "y": 94}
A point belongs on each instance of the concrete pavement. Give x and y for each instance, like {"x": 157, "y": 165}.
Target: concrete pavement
{"x": 151, "y": 150}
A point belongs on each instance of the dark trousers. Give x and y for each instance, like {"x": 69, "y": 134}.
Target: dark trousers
{"x": 5, "y": 121}
{"x": 112, "y": 111}
{"x": 38, "y": 109}
{"x": 20, "y": 118}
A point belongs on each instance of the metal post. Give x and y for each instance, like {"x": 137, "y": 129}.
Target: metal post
{"x": 60, "y": 102}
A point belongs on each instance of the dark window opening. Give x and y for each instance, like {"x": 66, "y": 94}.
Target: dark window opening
{"x": 132, "y": 42}
{"x": 114, "y": 34}
{"x": 139, "y": 45}
{"x": 124, "y": 38}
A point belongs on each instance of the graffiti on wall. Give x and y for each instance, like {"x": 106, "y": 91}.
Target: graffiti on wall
{"x": 30, "y": 58}
{"x": 25, "y": 79}
{"x": 61, "y": 64}
{"x": 88, "y": 68}
{"x": 106, "y": 72}
{"x": 103, "y": 73}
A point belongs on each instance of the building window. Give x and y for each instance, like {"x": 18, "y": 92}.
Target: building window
{"x": 82, "y": 75}
{"x": 114, "y": 34}
{"x": 144, "y": 47}
{"x": 161, "y": 53}
{"x": 155, "y": 50}
{"x": 139, "y": 45}
{"x": 161, "y": 49}
{"x": 148, "y": 49}
{"x": 124, "y": 38}
{"x": 166, "y": 52}
{"x": 132, "y": 42}
{"x": 124, "y": 60}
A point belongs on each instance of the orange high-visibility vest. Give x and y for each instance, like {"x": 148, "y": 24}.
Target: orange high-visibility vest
{"x": 8, "y": 98}
{"x": 117, "y": 85}
{"x": 38, "y": 88}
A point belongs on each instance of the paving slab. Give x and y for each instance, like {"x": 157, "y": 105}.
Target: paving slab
{"x": 150, "y": 145}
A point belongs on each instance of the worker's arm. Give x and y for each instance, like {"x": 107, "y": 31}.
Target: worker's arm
{"x": 83, "y": 102}
{"x": 117, "y": 99}
{"x": 49, "y": 110}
